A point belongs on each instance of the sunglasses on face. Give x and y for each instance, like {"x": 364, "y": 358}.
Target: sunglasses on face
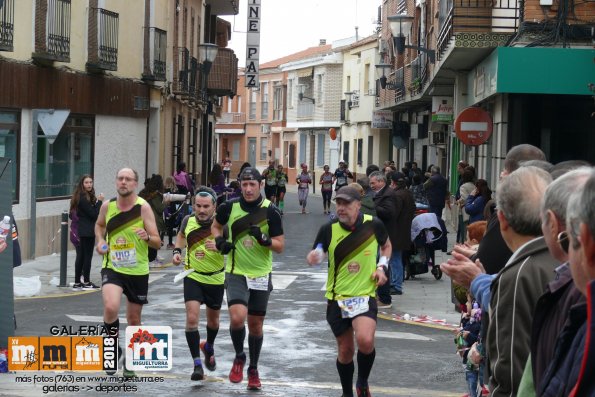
{"x": 563, "y": 241}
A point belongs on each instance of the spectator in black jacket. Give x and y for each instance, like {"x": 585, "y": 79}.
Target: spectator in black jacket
{"x": 86, "y": 205}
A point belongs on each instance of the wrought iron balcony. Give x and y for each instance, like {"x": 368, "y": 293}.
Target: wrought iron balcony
{"x": 7, "y": 25}
{"x": 103, "y": 40}
{"x": 155, "y": 60}
{"x": 193, "y": 78}
{"x": 476, "y": 16}
{"x": 182, "y": 72}
{"x": 52, "y": 31}
{"x": 232, "y": 118}
{"x": 222, "y": 79}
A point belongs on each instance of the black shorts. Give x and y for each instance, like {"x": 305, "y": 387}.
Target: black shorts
{"x": 281, "y": 190}
{"x": 339, "y": 324}
{"x": 238, "y": 293}
{"x": 134, "y": 287}
{"x": 209, "y": 294}
{"x": 270, "y": 191}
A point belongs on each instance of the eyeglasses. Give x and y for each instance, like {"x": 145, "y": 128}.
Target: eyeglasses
{"x": 563, "y": 241}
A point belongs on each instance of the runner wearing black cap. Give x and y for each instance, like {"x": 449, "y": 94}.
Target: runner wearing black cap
{"x": 352, "y": 242}
{"x": 255, "y": 231}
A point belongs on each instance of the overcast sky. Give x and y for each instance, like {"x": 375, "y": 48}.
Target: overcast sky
{"x": 289, "y": 26}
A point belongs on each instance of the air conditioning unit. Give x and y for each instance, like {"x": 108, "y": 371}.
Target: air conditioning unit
{"x": 438, "y": 138}
{"x": 265, "y": 128}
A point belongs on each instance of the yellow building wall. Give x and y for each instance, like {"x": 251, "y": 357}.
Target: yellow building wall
{"x": 23, "y": 32}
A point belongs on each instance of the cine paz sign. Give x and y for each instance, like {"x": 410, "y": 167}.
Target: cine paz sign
{"x": 253, "y": 44}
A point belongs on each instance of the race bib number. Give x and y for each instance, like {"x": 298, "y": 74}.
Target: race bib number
{"x": 281, "y": 183}
{"x": 341, "y": 180}
{"x": 352, "y": 307}
{"x": 123, "y": 255}
{"x": 258, "y": 283}
{"x": 271, "y": 182}
{"x": 303, "y": 185}
{"x": 327, "y": 186}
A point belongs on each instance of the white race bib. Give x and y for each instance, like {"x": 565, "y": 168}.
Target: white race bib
{"x": 341, "y": 180}
{"x": 123, "y": 255}
{"x": 351, "y": 307}
{"x": 258, "y": 283}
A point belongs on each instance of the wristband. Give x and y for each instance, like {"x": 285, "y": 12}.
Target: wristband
{"x": 383, "y": 261}
{"x": 177, "y": 251}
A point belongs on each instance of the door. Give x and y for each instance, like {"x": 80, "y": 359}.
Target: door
{"x": 252, "y": 151}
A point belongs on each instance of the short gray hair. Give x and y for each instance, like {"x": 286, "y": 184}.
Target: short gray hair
{"x": 379, "y": 176}
{"x": 580, "y": 207}
{"x": 519, "y": 197}
{"x": 559, "y": 191}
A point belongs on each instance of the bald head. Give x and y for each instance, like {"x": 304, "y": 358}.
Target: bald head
{"x": 520, "y": 153}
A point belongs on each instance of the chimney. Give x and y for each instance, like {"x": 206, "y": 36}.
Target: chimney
{"x": 322, "y": 42}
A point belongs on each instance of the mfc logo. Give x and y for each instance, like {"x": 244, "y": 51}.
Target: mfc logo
{"x": 148, "y": 348}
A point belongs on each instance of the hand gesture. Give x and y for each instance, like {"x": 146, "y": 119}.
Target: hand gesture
{"x": 379, "y": 276}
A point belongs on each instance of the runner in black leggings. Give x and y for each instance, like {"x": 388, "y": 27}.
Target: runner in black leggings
{"x": 326, "y": 182}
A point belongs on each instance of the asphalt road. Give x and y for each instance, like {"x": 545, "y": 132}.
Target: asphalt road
{"x": 298, "y": 355}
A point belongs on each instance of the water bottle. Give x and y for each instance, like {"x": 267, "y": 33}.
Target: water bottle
{"x": 5, "y": 227}
{"x": 320, "y": 254}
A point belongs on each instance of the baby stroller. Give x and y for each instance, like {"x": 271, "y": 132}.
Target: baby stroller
{"x": 425, "y": 229}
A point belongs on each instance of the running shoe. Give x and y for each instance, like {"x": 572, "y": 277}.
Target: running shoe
{"x": 236, "y": 375}
{"x": 90, "y": 285}
{"x": 77, "y": 286}
{"x": 253, "y": 379}
{"x": 362, "y": 391}
{"x": 198, "y": 373}
{"x": 209, "y": 353}
{"x": 384, "y": 305}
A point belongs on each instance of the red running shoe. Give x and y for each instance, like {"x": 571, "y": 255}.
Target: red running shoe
{"x": 236, "y": 375}
{"x": 209, "y": 356}
{"x": 253, "y": 379}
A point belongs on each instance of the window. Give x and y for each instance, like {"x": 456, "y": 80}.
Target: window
{"x": 370, "y": 149}
{"x": 264, "y": 97}
{"x": 320, "y": 150}
{"x": 264, "y": 146}
{"x": 252, "y": 104}
{"x": 9, "y": 145}
{"x": 346, "y": 151}
{"x": 278, "y": 102}
{"x": 235, "y": 151}
{"x": 229, "y": 103}
{"x": 291, "y": 155}
{"x": 61, "y": 163}
{"x": 367, "y": 84}
{"x": 319, "y": 89}
{"x": 360, "y": 150}
{"x": 7, "y": 25}
{"x": 303, "y": 148}
{"x": 290, "y": 93}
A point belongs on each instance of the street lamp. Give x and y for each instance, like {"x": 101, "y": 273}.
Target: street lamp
{"x": 207, "y": 52}
{"x": 301, "y": 96}
{"x": 400, "y": 26}
{"x": 348, "y": 94}
{"x": 384, "y": 84}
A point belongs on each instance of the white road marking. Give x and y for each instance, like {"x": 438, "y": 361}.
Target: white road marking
{"x": 402, "y": 335}
{"x": 282, "y": 281}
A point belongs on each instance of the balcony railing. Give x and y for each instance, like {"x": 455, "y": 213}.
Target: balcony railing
{"x": 398, "y": 79}
{"x": 193, "y": 78}
{"x": 223, "y": 76}
{"x": 182, "y": 73}
{"x": 52, "y": 31}
{"x": 7, "y": 25}
{"x": 478, "y": 16}
{"x": 103, "y": 39}
{"x": 157, "y": 54}
{"x": 305, "y": 110}
{"x": 232, "y": 118}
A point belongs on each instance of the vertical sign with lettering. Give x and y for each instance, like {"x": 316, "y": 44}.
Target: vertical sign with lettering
{"x": 253, "y": 43}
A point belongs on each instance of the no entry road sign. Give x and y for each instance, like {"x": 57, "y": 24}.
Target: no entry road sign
{"x": 473, "y": 126}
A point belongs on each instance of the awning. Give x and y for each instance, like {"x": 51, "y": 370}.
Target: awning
{"x": 229, "y": 131}
{"x": 308, "y": 72}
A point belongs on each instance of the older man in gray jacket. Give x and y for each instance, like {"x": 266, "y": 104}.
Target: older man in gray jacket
{"x": 511, "y": 295}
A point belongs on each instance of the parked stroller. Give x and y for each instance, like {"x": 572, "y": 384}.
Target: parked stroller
{"x": 425, "y": 229}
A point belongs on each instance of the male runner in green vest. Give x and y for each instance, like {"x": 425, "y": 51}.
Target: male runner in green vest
{"x": 205, "y": 283}
{"x": 255, "y": 230}
{"x": 124, "y": 231}
{"x": 352, "y": 241}
{"x": 270, "y": 182}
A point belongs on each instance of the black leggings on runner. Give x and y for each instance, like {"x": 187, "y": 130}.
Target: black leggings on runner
{"x": 326, "y": 198}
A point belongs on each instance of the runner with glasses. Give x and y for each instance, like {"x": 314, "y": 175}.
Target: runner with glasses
{"x": 205, "y": 282}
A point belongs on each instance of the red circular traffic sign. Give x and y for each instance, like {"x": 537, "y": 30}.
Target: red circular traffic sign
{"x": 474, "y": 126}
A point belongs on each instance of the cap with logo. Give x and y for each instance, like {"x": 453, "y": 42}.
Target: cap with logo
{"x": 250, "y": 174}
{"x": 349, "y": 194}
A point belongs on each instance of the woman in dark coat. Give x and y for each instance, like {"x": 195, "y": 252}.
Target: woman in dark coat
{"x": 87, "y": 206}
